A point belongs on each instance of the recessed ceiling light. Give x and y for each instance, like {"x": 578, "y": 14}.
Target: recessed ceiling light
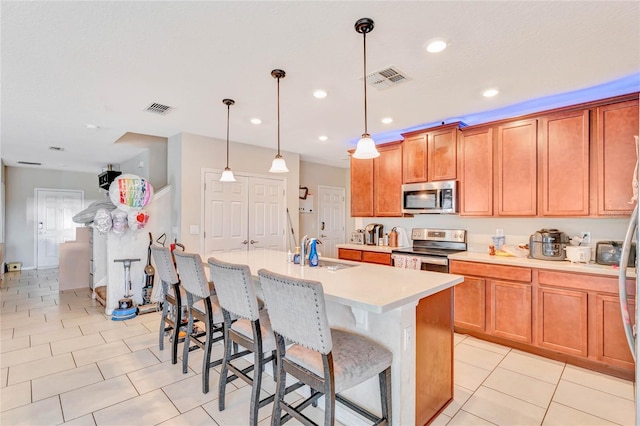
{"x": 436, "y": 46}
{"x": 387, "y": 120}
{"x": 489, "y": 93}
{"x": 92, "y": 126}
{"x": 320, "y": 94}
{"x": 256, "y": 121}
{"x": 323, "y": 138}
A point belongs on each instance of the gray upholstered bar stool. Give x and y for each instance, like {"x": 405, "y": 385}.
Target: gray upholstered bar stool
{"x": 245, "y": 324}
{"x": 171, "y": 299}
{"x": 327, "y": 360}
{"x": 203, "y": 305}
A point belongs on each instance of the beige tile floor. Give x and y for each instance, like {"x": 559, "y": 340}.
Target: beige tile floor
{"x": 64, "y": 362}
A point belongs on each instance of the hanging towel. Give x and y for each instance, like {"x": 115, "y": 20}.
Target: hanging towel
{"x": 406, "y": 262}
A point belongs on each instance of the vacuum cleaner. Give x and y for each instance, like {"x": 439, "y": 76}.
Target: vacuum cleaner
{"x": 127, "y": 307}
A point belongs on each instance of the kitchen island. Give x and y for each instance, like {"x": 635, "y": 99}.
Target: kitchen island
{"x": 409, "y": 312}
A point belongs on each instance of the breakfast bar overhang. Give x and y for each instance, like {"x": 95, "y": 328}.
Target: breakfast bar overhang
{"x": 409, "y": 312}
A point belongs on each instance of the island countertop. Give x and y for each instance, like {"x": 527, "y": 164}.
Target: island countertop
{"x": 370, "y": 287}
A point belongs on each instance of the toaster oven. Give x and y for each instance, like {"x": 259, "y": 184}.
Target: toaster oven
{"x": 609, "y": 253}
{"x": 357, "y": 237}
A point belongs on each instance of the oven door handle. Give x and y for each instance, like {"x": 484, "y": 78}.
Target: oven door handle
{"x": 434, "y": 260}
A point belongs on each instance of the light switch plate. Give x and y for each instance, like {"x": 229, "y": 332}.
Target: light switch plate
{"x": 194, "y": 229}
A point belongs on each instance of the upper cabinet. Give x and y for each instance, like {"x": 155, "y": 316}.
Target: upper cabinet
{"x": 361, "y": 187}
{"x": 414, "y": 158}
{"x": 564, "y": 164}
{"x": 387, "y": 180}
{"x": 517, "y": 168}
{"x": 617, "y": 124}
{"x": 376, "y": 184}
{"x": 475, "y": 172}
{"x": 442, "y": 153}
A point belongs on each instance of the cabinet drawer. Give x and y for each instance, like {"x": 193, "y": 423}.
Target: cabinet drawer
{"x": 348, "y": 254}
{"x": 487, "y": 270}
{"x": 375, "y": 257}
{"x": 584, "y": 282}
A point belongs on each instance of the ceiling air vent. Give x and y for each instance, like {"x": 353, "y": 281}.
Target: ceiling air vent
{"x": 386, "y": 77}
{"x": 29, "y": 163}
{"x": 157, "y": 108}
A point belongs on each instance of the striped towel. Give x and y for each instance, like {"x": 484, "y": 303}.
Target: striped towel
{"x": 406, "y": 262}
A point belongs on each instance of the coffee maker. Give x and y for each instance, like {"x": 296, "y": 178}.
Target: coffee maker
{"x": 373, "y": 233}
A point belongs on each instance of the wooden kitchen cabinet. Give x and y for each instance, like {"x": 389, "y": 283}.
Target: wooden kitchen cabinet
{"x": 564, "y": 164}
{"x": 442, "y": 153}
{"x": 414, "y": 158}
{"x": 562, "y": 320}
{"x": 387, "y": 181}
{"x": 475, "y": 170}
{"x": 617, "y": 124}
{"x": 365, "y": 256}
{"x": 510, "y": 307}
{"x": 517, "y": 168}
{"x": 611, "y": 341}
{"x": 469, "y": 304}
{"x": 349, "y": 254}
{"x": 361, "y": 188}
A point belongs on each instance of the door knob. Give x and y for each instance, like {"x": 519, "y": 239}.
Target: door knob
{"x": 254, "y": 242}
{"x": 323, "y": 236}
{"x": 245, "y": 242}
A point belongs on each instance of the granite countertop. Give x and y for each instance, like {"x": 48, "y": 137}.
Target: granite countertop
{"x": 558, "y": 265}
{"x": 379, "y": 249}
{"x": 367, "y": 286}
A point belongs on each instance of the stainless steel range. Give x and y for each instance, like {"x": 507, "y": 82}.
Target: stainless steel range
{"x": 433, "y": 246}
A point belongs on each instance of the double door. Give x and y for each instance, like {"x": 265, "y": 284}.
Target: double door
{"x": 243, "y": 215}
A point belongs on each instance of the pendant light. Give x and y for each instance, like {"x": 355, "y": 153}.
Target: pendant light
{"x": 278, "y": 165}
{"x": 227, "y": 174}
{"x": 366, "y": 147}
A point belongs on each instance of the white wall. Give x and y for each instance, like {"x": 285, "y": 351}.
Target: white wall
{"x": 153, "y": 156}
{"x": 20, "y": 214}
{"x": 189, "y": 154}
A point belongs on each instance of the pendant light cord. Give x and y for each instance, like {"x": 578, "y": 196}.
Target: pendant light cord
{"x": 278, "y": 116}
{"x": 228, "y": 108}
{"x": 364, "y": 40}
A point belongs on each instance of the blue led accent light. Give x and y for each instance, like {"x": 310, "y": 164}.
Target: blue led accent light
{"x": 622, "y": 86}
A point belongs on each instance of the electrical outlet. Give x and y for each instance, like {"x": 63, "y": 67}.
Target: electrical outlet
{"x": 586, "y": 237}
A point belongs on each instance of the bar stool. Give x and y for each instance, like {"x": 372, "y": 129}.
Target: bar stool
{"x": 202, "y": 304}
{"x": 171, "y": 299}
{"x": 245, "y": 324}
{"x": 327, "y": 360}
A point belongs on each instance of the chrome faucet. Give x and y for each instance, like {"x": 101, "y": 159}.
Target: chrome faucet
{"x": 303, "y": 248}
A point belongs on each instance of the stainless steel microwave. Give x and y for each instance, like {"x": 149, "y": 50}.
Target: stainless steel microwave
{"x": 430, "y": 197}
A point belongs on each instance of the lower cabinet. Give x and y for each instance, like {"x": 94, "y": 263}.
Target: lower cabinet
{"x": 567, "y": 316}
{"x": 510, "y": 307}
{"x": 365, "y": 256}
{"x": 562, "y": 320}
{"x": 469, "y": 307}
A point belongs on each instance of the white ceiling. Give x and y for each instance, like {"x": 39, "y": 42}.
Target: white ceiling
{"x": 67, "y": 64}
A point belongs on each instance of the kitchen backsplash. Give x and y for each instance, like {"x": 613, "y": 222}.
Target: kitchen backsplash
{"x": 516, "y": 230}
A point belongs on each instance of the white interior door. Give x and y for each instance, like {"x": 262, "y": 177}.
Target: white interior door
{"x": 242, "y": 215}
{"x": 266, "y": 213}
{"x": 54, "y": 223}
{"x": 225, "y": 215}
{"x": 331, "y": 219}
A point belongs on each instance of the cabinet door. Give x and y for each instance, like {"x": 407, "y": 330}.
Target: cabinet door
{"x": 376, "y": 257}
{"x": 517, "y": 170}
{"x": 611, "y": 342}
{"x": 510, "y": 307}
{"x": 414, "y": 158}
{"x": 361, "y": 188}
{"x": 469, "y": 304}
{"x": 387, "y": 172}
{"x": 617, "y": 124}
{"x": 564, "y": 163}
{"x": 562, "y": 320}
{"x": 442, "y": 154}
{"x": 476, "y": 172}
{"x": 349, "y": 254}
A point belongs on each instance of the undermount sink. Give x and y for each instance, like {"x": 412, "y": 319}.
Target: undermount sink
{"x": 334, "y": 266}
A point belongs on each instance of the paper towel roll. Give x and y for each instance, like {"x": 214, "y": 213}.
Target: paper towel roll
{"x": 403, "y": 238}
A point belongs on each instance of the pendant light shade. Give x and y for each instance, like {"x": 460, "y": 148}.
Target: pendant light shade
{"x": 278, "y": 165}
{"x": 227, "y": 174}
{"x": 366, "y": 147}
